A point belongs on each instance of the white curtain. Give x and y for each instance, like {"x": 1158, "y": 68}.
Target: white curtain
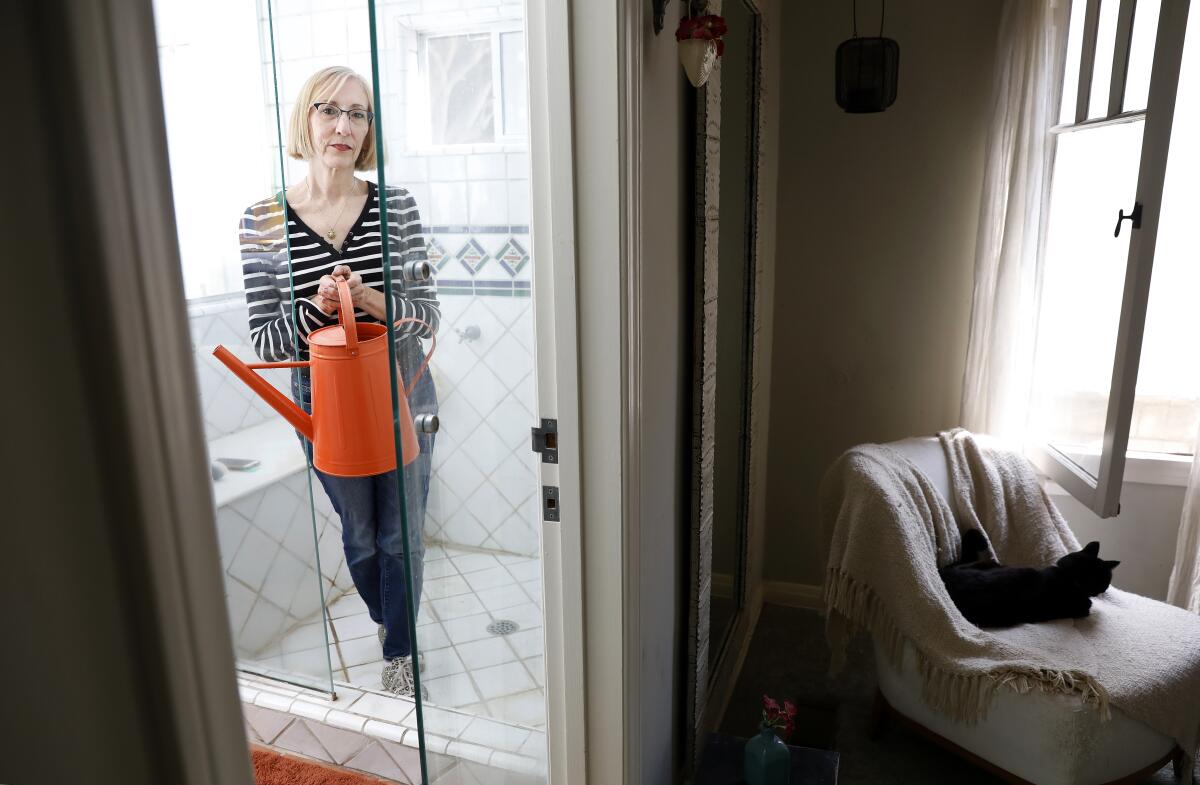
{"x": 1184, "y": 587}
{"x": 1026, "y": 92}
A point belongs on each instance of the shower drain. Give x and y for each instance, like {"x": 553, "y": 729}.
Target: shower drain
{"x": 503, "y": 627}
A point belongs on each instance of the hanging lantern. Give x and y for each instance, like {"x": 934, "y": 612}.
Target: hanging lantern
{"x": 867, "y": 70}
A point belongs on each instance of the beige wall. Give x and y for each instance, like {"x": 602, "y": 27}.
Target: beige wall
{"x": 877, "y": 218}
{"x": 665, "y": 387}
{"x": 1142, "y": 537}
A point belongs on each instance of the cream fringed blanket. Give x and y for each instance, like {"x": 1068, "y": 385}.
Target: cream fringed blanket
{"x": 891, "y": 530}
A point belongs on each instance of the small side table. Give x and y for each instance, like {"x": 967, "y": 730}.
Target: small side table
{"x": 721, "y": 763}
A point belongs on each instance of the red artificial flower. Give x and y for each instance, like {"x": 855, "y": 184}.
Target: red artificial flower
{"x": 709, "y": 27}
{"x": 779, "y": 718}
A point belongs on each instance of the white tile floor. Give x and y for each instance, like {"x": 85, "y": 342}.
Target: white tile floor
{"x": 465, "y": 666}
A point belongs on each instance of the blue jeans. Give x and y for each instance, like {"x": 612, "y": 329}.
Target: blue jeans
{"x": 369, "y": 508}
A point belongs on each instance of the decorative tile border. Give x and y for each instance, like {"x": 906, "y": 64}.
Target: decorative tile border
{"x": 436, "y": 253}
{"x": 472, "y": 256}
{"x": 498, "y": 229}
{"x": 475, "y": 256}
{"x": 512, "y": 257}
{"x": 477, "y": 288}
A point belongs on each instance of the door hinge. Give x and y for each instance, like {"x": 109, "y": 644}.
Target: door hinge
{"x": 550, "y": 508}
{"x": 545, "y": 441}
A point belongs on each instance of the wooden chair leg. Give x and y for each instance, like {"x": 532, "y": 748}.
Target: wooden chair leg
{"x": 879, "y": 715}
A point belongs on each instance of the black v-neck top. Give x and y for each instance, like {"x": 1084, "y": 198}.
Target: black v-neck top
{"x": 269, "y": 279}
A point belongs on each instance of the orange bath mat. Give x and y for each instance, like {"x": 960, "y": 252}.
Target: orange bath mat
{"x": 272, "y": 768}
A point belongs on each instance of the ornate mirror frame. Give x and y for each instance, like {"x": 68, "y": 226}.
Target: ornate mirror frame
{"x": 708, "y": 658}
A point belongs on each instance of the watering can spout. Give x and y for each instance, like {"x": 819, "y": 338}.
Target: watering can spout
{"x": 299, "y": 419}
{"x": 356, "y": 429}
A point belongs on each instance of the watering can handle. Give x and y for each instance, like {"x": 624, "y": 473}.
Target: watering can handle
{"x": 433, "y": 348}
{"x": 346, "y": 315}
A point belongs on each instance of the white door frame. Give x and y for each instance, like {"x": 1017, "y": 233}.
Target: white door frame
{"x": 589, "y": 71}
{"x": 585, "y": 618}
{"x": 111, "y": 49}
{"x": 587, "y": 198}
{"x": 556, "y": 330}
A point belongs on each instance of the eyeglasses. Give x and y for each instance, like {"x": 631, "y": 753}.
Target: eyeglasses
{"x": 330, "y": 113}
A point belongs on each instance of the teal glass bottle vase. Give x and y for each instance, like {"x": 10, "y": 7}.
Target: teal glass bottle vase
{"x": 766, "y": 760}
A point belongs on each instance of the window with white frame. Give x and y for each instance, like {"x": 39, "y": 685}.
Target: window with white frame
{"x": 205, "y": 53}
{"x": 474, "y": 85}
{"x": 1116, "y": 372}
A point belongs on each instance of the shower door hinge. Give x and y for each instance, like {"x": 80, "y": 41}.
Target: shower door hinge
{"x": 545, "y": 441}
{"x": 550, "y": 508}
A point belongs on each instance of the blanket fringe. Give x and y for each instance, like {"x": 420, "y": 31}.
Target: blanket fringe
{"x": 1188, "y": 764}
{"x": 963, "y": 695}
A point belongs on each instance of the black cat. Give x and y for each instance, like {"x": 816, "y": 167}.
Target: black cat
{"x": 992, "y": 595}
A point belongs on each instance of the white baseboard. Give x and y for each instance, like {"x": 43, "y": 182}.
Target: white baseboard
{"x": 793, "y": 595}
{"x": 722, "y": 585}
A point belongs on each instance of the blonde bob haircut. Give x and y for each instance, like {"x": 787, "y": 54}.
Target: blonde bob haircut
{"x": 320, "y": 87}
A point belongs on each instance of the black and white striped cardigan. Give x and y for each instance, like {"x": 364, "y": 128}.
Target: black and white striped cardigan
{"x": 270, "y": 283}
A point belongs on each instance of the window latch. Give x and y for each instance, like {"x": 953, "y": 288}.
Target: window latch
{"x": 1135, "y": 218}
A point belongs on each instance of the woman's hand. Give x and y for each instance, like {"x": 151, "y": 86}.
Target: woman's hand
{"x": 364, "y": 297}
{"x": 327, "y": 306}
{"x": 358, "y": 292}
{"x": 327, "y": 289}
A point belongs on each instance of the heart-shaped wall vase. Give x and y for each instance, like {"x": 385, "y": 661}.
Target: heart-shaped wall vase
{"x": 699, "y": 56}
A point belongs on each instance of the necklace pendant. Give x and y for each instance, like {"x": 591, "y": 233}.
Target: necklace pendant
{"x": 330, "y": 234}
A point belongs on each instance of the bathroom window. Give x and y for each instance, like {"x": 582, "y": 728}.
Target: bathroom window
{"x": 475, "y": 87}
{"x": 220, "y": 150}
{"x": 1116, "y": 374}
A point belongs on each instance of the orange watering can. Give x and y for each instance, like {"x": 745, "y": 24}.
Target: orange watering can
{"x": 351, "y": 423}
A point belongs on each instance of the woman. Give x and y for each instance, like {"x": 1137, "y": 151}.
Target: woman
{"x": 333, "y": 228}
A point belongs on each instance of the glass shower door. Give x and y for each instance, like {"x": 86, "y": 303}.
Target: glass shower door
{"x": 452, "y": 175}
{"x": 450, "y": 87}
{"x": 278, "y": 535}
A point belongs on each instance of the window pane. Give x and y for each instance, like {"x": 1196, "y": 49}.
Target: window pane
{"x": 1106, "y": 39}
{"x": 1074, "y": 50}
{"x": 512, "y": 75}
{"x": 1141, "y": 54}
{"x": 197, "y": 55}
{"x": 460, "y": 89}
{"x": 1095, "y": 175}
{"x": 1166, "y": 411}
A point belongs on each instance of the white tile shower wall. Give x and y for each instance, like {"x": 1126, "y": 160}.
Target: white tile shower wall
{"x": 227, "y": 403}
{"x": 483, "y": 490}
{"x": 271, "y": 569}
